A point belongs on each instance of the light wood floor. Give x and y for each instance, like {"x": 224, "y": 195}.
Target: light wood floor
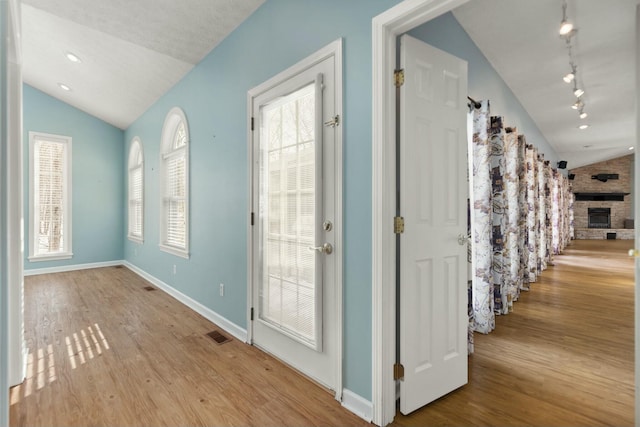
{"x": 564, "y": 357}
{"x": 104, "y": 351}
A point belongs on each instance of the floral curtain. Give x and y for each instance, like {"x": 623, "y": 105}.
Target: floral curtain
{"x": 542, "y": 216}
{"x": 501, "y": 264}
{"x": 533, "y": 209}
{"x": 511, "y": 181}
{"x": 520, "y": 214}
{"x": 523, "y": 240}
{"x": 480, "y": 211}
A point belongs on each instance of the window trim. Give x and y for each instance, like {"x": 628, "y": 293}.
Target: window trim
{"x": 136, "y": 143}
{"x": 67, "y": 252}
{"x": 172, "y": 121}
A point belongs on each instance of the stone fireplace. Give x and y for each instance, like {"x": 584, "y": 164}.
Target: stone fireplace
{"x": 602, "y": 207}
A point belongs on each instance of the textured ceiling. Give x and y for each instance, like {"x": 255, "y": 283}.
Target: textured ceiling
{"x": 132, "y": 52}
{"x": 520, "y": 39}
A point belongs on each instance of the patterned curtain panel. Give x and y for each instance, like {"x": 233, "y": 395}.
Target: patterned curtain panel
{"x": 523, "y": 240}
{"x": 481, "y": 247}
{"x": 548, "y": 209}
{"x": 556, "y": 224}
{"x": 542, "y": 216}
{"x": 533, "y": 209}
{"x": 511, "y": 182}
{"x": 499, "y": 221}
{"x": 572, "y": 199}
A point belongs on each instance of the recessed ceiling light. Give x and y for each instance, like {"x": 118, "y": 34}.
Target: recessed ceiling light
{"x": 582, "y": 127}
{"x": 64, "y": 87}
{"x": 72, "y": 57}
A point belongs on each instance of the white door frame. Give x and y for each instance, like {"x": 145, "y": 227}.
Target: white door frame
{"x": 386, "y": 28}
{"x": 334, "y": 49}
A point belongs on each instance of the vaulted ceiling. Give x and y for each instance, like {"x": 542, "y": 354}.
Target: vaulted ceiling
{"x": 134, "y": 51}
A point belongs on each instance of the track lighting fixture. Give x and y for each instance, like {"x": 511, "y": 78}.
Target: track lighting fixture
{"x": 578, "y": 92}
{"x": 568, "y": 78}
{"x": 567, "y": 33}
{"x": 565, "y": 25}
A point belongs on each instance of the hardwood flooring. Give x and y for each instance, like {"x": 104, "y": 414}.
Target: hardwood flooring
{"x": 563, "y": 357}
{"x": 104, "y": 351}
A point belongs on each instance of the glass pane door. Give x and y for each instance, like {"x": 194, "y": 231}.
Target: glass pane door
{"x": 290, "y": 284}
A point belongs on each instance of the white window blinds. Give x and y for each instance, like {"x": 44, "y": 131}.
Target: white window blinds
{"x": 50, "y": 207}
{"x": 136, "y": 191}
{"x": 175, "y": 187}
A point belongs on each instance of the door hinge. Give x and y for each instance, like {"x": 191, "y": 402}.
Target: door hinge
{"x": 398, "y": 77}
{"x": 253, "y": 218}
{"x": 398, "y": 372}
{"x": 252, "y": 123}
{"x": 398, "y": 225}
{"x": 251, "y": 313}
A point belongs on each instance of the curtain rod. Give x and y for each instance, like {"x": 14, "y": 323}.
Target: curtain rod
{"x": 475, "y": 103}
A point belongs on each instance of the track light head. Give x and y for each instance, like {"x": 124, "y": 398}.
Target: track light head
{"x": 578, "y": 92}
{"x": 568, "y": 78}
{"x": 565, "y": 27}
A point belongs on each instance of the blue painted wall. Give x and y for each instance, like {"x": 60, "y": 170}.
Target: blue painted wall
{"x": 447, "y": 34}
{"x": 97, "y": 178}
{"x": 214, "y": 99}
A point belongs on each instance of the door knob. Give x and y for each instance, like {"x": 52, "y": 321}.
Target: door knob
{"x": 463, "y": 239}
{"x": 326, "y": 248}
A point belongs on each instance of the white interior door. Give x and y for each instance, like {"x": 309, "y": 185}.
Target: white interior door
{"x": 433, "y": 202}
{"x": 295, "y": 239}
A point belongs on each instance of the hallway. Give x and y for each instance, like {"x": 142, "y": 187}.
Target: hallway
{"x": 564, "y": 356}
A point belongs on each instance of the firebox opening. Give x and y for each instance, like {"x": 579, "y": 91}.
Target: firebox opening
{"x": 599, "y": 217}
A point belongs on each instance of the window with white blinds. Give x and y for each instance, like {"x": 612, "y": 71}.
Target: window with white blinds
{"x": 49, "y": 197}
{"x": 174, "y": 160}
{"x": 136, "y": 191}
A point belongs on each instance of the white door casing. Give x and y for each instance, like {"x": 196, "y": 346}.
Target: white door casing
{"x": 313, "y": 348}
{"x": 385, "y": 28}
{"x": 433, "y": 200}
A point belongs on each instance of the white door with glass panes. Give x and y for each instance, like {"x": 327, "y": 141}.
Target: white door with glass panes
{"x": 296, "y": 232}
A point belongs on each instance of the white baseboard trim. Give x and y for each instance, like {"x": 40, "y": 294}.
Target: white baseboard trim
{"x": 228, "y": 326}
{"x": 63, "y": 268}
{"x": 357, "y": 404}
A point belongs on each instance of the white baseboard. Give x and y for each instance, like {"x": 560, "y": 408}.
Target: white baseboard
{"x": 224, "y": 323}
{"x": 63, "y": 268}
{"x": 357, "y": 404}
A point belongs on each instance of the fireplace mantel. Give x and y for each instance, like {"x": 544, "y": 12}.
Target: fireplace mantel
{"x": 600, "y": 197}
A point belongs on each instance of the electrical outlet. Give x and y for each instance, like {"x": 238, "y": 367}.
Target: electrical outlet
{"x": 174, "y": 269}
{"x": 221, "y": 289}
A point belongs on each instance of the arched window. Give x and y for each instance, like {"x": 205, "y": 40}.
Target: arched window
{"x": 136, "y": 191}
{"x": 174, "y": 173}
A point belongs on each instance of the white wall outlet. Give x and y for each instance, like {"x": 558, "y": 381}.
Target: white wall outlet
{"x": 221, "y": 289}
{"x": 174, "y": 269}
